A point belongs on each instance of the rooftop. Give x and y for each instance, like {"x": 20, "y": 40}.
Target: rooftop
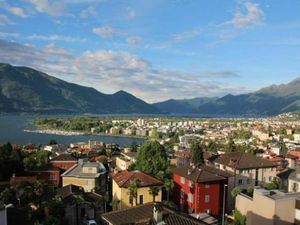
{"x": 64, "y": 157}
{"x": 202, "y": 173}
{"x": 76, "y": 170}
{"x": 240, "y": 160}
{"x": 126, "y": 178}
{"x": 143, "y": 215}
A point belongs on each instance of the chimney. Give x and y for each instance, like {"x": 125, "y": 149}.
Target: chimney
{"x": 157, "y": 213}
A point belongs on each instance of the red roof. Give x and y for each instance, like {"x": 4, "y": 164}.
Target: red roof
{"x": 126, "y": 178}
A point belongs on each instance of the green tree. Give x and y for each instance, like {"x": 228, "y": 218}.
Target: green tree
{"x": 133, "y": 191}
{"x": 8, "y": 195}
{"x": 154, "y": 191}
{"x": 154, "y": 134}
{"x": 197, "y": 153}
{"x": 152, "y": 158}
{"x": 230, "y": 147}
{"x": 168, "y": 186}
{"x": 239, "y": 219}
{"x": 235, "y": 191}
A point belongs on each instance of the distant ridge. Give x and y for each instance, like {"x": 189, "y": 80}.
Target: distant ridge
{"x": 23, "y": 89}
{"x": 271, "y": 100}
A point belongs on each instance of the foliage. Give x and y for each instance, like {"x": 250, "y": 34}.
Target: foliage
{"x": 168, "y": 186}
{"x": 239, "y": 219}
{"x": 235, "y": 191}
{"x": 133, "y": 191}
{"x": 9, "y": 195}
{"x": 154, "y": 191}
{"x": 197, "y": 153}
{"x": 230, "y": 147}
{"x": 274, "y": 184}
{"x": 152, "y": 158}
{"x": 10, "y": 162}
{"x": 171, "y": 205}
{"x": 36, "y": 160}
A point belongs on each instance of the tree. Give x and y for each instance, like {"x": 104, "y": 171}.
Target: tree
{"x": 8, "y": 195}
{"x": 133, "y": 191}
{"x": 230, "y": 147}
{"x": 283, "y": 148}
{"x": 77, "y": 200}
{"x": 168, "y": 186}
{"x": 239, "y": 219}
{"x": 197, "y": 153}
{"x": 154, "y": 191}
{"x": 52, "y": 142}
{"x": 154, "y": 134}
{"x": 212, "y": 146}
{"x": 235, "y": 191}
{"x": 152, "y": 158}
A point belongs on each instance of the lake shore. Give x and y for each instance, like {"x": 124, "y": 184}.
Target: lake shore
{"x": 78, "y": 133}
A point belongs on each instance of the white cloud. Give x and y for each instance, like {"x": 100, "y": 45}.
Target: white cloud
{"x": 55, "y": 37}
{"x": 134, "y": 40}
{"x": 253, "y": 16}
{"x": 9, "y": 34}
{"x": 185, "y": 35}
{"x": 17, "y": 11}
{"x": 107, "y": 32}
{"x": 4, "y": 20}
{"x": 131, "y": 12}
{"x": 88, "y": 12}
{"x": 110, "y": 71}
{"x": 54, "y": 8}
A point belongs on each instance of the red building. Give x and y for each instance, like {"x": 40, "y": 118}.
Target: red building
{"x": 49, "y": 174}
{"x": 199, "y": 189}
{"x": 63, "y": 161}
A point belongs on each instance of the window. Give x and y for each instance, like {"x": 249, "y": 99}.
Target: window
{"x": 240, "y": 181}
{"x": 181, "y": 193}
{"x": 130, "y": 199}
{"x": 264, "y": 179}
{"x": 248, "y": 181}
{"x": 141, "y": 199}
{"x": 51, "y": 177}
{"x": 182, "y": 180}
{"x": 206, "y": 198}
{"x": 207, "y": 185}
{"x": 190, "y": 198}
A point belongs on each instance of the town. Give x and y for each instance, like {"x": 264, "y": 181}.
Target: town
{"x": 187, "y": 171}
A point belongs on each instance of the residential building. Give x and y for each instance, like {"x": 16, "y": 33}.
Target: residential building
{"x": 122, "y": 181}
{"x": 294, "y": 181}
{"x": 150, "y": 214}
{"x": 247, "y": 168}
{"x": 270, "y": 207}
{"x": 200, "y": 189}
{"x": 63, "y": 161}
{"x": 125, "y": 159}
{"x": 89, "y": 175}
{"x": 90, "y": 207}
{"x": 50, "y": 174}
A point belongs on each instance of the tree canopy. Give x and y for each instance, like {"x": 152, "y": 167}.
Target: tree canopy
{"x": 152, "y": 158}
{"x": 197, "y": 153}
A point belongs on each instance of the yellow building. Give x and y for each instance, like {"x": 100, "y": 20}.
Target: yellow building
{"x": 89, "y": 175}
{"x": 125, "y": 180}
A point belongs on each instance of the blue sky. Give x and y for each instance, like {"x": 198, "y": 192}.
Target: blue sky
{"x": 156, "y": 49}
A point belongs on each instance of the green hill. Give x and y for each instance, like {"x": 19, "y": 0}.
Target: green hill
{"x": 24, "y": 89}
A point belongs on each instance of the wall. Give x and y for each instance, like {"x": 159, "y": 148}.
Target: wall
{"x": 87, "y": 184}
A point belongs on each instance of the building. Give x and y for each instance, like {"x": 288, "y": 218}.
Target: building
{"x": 149, "y": 214}
{"x": 9, "y": 215}
{"x": 270, "y": 207}
{"x": 125, "y": 160}
{"x": 122, "y": 181}
{"x": 63, "y": 161}
{"x": 49, "y": 174}
{"x": 247, "y": 168}
{"x": 200, "y": 189}
{"x": 89, "y": 175}
{"x": 91, "y": 204}
{"x": 294, "y": 181}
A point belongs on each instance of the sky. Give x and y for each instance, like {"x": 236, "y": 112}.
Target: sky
{"x": 156, "y": 49}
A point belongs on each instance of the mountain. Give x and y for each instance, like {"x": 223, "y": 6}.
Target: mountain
{"x": 182, "y": 106}
{"x": 271, "y": 100}
{"x": 23, "y": 89}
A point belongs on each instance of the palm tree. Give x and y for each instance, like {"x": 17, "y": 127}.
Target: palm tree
{"x": 115, "y": 203}
{"x": 77, "y": 201}
{"x": 154, "y": 190}
{"x": 168, "y": 185}
{"x": 133, "y": 190}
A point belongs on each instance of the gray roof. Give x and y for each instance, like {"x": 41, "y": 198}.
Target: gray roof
{"x": 76, "y": 170}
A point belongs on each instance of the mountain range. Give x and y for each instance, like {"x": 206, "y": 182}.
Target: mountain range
{"x": 271, "y": 100}
{"x": 24, "y": 89}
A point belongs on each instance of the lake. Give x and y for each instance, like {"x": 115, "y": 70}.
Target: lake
{"x": 12, "y": 129}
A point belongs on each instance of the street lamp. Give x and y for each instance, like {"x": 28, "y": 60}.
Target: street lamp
{"x": 223, "y": 212}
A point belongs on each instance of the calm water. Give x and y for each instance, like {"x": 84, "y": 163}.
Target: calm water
{"x": 12, "y": 130}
